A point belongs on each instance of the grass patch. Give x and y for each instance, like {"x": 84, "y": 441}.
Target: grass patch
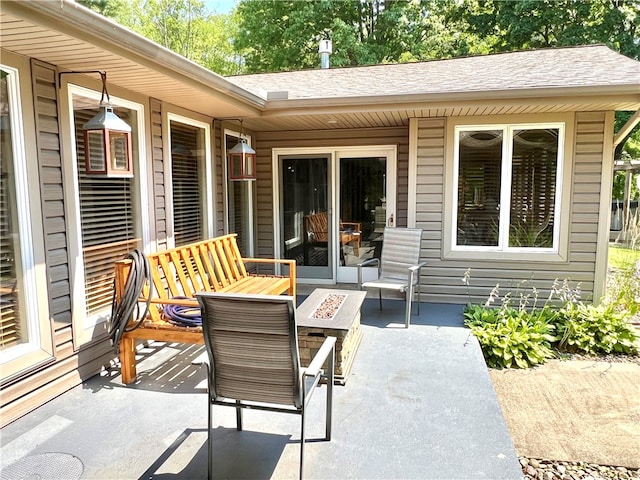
{"x": 622, "y": 257}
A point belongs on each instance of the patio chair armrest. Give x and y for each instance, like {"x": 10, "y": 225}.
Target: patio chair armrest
{"x": 371, "y": 261}
{"x": 327, "y": 347}
{"x": 415, "y": 268}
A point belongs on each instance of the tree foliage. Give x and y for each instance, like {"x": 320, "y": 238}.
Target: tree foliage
{"x": 183, "y": 26}
{"x": 510, "y": 25}
{"x": 277, "y": 35}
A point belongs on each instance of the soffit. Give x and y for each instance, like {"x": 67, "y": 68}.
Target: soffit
{"x": 389, "y": 117}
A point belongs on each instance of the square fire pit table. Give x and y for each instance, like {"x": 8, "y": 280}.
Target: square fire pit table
{"x": 331, "y": 313}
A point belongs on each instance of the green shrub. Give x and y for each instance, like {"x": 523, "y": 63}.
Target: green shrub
{"x": 596, "y": 330}
{"x": 511, "y": 337}
{"x": 529, "y": 335}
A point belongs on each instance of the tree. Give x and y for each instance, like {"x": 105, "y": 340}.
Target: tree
{"x": 279, "y": 35}
{"x": 183, "y": 26}
{"x": 510, "y": 25}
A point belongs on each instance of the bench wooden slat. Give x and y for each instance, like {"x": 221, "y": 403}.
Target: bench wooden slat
{"x": 258, "y": 285}
{"x": 230, "y": 260}
{"x": 205, "y": 255}
{"x": 199, "y": 267}
{"x": 171, "y": 289}
{"x": 221, "y": 272}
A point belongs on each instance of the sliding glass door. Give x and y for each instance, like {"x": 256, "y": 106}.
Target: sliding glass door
{"x": 366, "y": 201}
{"x": 333, "y": 208}
{"x": 306, "y": 233}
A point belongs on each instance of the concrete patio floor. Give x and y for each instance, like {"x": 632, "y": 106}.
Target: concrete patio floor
{"x": 418, "y": 404}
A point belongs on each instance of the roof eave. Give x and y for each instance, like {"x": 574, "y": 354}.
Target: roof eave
{"x": 610, "y": 94}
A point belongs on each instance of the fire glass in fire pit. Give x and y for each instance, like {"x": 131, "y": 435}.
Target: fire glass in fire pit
{"x": 329, "y": 306}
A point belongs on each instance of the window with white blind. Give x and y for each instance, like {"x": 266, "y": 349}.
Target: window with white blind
{"x": 188, "y": 182}
{"x": 507, "y": 182}
{"x": 25, "y": 327}
{"x": 109, "y": 223}
{"x": 13, "y": 325}
{"x": 240, "y": 195}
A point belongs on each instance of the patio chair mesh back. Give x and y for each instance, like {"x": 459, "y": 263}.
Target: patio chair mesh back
{"x": 253, "y": 348}
{"x": 400, "y": 250}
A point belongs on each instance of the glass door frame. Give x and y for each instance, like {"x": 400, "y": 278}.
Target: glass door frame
{"x": 346, "y": 274}
{"x": 278, "y": 155}
{"x": 333, "y": 153}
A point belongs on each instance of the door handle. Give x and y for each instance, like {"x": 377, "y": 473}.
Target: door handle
{"x": 390, "y": 221}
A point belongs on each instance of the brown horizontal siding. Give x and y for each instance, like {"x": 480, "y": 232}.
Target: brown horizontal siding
{"x": 159, "y": 192}
{"x": 218, "y": 180}
{"x": 266, "y": 141}
{"x": 442, "y": 279}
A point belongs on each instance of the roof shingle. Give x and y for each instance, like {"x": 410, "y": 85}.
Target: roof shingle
{"x": 584, "y": 66}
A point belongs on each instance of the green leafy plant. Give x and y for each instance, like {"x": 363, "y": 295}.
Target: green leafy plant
{"x": 596, "y": 330}
{"x": 521, "y": 333}
{"x": 513, "y": 339}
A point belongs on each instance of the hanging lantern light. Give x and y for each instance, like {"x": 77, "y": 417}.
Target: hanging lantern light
{"x": 107, "y": 141}
{"x": 242, "y": 160}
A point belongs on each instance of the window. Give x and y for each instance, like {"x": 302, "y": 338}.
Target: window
{"x": 507, "y": 187}
{"x": 240, "y": 196}
{"x": 187, "y": 181}
{"x": 13, "y": 322}
{"x": 107, "y": 213}
{"x": 25, "y": 335}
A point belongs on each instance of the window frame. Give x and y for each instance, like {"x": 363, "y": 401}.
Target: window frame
{"x": 39, "y": 348}
{"x": 562, "y": 209}
{"x": 88, "y": 328}
{"x": 207, "y": 199}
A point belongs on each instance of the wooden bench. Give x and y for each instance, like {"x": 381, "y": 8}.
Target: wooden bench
{"x": 213, "y": 265}
{"x": 317, "y": 229}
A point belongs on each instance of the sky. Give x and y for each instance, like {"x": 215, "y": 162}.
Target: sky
{"x": 219, "y": 6}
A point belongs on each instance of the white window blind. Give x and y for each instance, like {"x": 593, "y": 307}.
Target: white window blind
{"x": 186, "y": 180}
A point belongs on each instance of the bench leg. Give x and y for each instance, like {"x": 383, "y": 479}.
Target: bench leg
{"x": 128, "y": 359}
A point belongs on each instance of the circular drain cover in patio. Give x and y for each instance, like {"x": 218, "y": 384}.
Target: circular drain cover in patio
{"x": 44, "y": 466}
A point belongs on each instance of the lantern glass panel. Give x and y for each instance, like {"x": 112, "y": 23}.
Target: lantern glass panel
{"x": 249, "y": 165}
{"x": 95, "y": 151}
{"x": 236, "y": 165}
{"x": 118, "y": 151}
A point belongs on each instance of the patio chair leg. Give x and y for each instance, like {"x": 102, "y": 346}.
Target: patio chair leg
{"x": 302, "y": 442}
{"x": 409, "y": 298}
{"x": 329, "y": 406}
{"x": 380, "y": 297}
{"x": 210, "y": 441}
{"x": 238, "y": 416}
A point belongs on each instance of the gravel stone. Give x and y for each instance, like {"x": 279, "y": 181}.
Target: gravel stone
{"x": 543, "y": 469}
